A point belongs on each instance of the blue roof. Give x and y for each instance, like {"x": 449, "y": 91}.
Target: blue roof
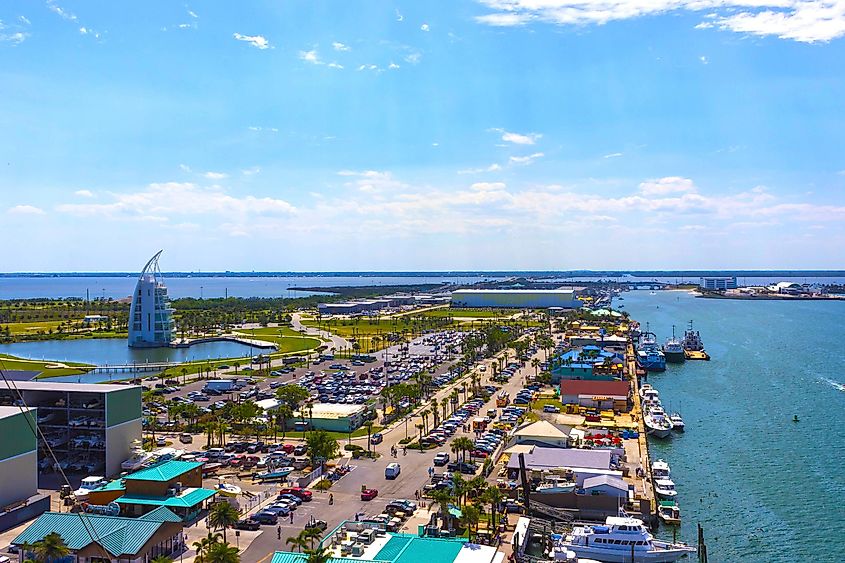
{"x": 164, "y": 471}
{"x": 188, "y": 499}
{"x": 400, "y": 548}
{"x": 117, "y": 534}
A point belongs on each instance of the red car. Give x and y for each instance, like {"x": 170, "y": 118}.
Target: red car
{"x": 304, "y": 494}
{"x": 478, "y": 453}
{"x": 369, "y": 494}
{"x": 287, "y": 448}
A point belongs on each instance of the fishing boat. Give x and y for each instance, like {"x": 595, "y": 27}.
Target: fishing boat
{"x": 657, "y": 424}
{"x": 649, "y": 355}
{"x": 673, "y": 350}
{"x": 87, "y": 485}
{"x": 615, "y": 541}
{"x": 665, "y": 489}
{"x": 138, "y": 460}
{"x": 692, "y": 340}
{"x": 677, "y": 422}
{"x": 669, "y": 512}
{"x": 660, "y": 469}
{"x": 228, "y": 489}
{"x": 274, "y": 475}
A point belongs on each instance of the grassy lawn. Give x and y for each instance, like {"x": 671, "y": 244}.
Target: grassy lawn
{"x": 288, "y": 343}
{"x": 13, "y": 363}
{"x": 471, "y": 313}
{"x": 271, "y": 331}
{"x": 360, "y": 433}
{"x": 32, "y": 328}
{"x": 540, "y": 403}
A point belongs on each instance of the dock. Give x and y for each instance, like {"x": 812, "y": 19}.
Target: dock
{"x": 637, "y": 455}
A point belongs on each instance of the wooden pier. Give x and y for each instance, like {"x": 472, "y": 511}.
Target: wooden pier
{"x": 644, "y": 486}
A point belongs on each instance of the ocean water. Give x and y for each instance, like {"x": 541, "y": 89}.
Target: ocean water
{"x": 118, "y": 287}
{"x": 764, "y": 488}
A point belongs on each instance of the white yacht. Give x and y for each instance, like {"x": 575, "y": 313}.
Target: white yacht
{"x": 657, "y": 424}
{"x": 660, "y": 469}
{"x": 677, "y": 422}
{"x": 87, "y": 485}
{"x": 137, "y": 461}
{"x": 615, "y": 540}
{"x": 665, "y": 489}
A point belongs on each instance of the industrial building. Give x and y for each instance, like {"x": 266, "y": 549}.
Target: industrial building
{"x": 516, "y": 298}
{"x": 387, "y": 302}
{"x": 596, "y": 394}
{"x": 151, "y": 322}
{"x": 718, "y": 283}
{"x": 18, "y": 455}
{"x": 89, "y": 427}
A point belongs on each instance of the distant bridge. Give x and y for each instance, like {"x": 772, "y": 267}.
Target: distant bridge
{"x": 135, "y": 368}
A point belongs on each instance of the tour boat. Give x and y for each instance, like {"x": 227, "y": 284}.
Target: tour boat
{"x": 665, "y": 489}
{"x": 657, "y": 424}
{"x": 616, "y": 541}
{"x": 669, "y": 512}
{"x": 660, "y": 469}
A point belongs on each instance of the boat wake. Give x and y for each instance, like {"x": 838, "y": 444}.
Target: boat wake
{"x": 834, "y": 384}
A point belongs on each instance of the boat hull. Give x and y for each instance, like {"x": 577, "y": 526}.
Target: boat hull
{"x": 658, "y": 432}
{"x": 674, "y": 357}
{"x": 624, "y": 556}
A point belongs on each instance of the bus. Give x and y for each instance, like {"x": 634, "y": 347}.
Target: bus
{"x": 502, "y": 399}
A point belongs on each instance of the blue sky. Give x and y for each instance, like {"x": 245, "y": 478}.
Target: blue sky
{"x": 491, "y": 134}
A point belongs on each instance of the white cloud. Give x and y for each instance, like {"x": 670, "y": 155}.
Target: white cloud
{"x": 525, "y": 160}
{"x": 519, "y": 138}
{"x": 335, "y": 65}
{"x": 425, "y": 27}
{"x": 15, "y": 38}
{"x": 310, "y": 57}
{"x": 393, "y": 66}
{"x": 667, "y": 185}
{"x": 413, "y": 58}
{"x": 24, "y": 20}
{"x": 83, "y": 193}
{"x": 184, "y": 168}
{"x": 492, "y": 168}
{"x": 260, "y": 128}
{"x": 193, "y": 14}
{"x": 704, "y": 60}
{"x": 163, "y": 202}
{"x": 25, "y": 210}
{"x": 64, "y": 14}
{"x": 368, "y": 67}
{"x": 215, "y": 175}
{"x": 806, "y": 21}
{"x": 257, "y": 41}
{"x": 488, "y": 186}
{"x": 251, "y": 171}
{"x": 371, "y": 180}
{"x": 399, "y": 16}
{"x": 613, "y": 155}
{"x": 338, "y": 46}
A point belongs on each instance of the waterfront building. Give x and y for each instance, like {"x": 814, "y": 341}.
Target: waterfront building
{"x": 718, "y": 283}
{"x": 787, "y": 288}
{"x": 151, "y": 322}
{"x": 98, "y": 538}
{"x": 175, "y": 485}
{"x": 89, "y": 427}
{"x": 596, "y": 394}
{"x": 541, "y": 432}
{"x": 516, "y": 298}
{"x": 590, "y": 362}
{"x": 19, "y": 497}
{"x": 370, "y": 542}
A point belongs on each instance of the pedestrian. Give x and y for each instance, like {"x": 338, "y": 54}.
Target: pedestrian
{"x": 279, "y": 532}
{"x": 291, "y": 516}
{"x": 331, "y": 498}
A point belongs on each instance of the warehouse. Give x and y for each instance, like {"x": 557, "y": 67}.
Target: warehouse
{"x": 516, "y": 298}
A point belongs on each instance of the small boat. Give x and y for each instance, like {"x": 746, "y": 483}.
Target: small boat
{"x": 677, "y": 422}
{"x": 660, "y": 469}
{"x": 657, "y": 424}
{"x": 228, "y": 489}
{"x": 614, "y": 542}
{"x": 137, "y": 461}
{"x": 669, "y": 512}
{"x": 665, "y": 489}
{"x": 87, "y": 485}
{"x": 555, "y": 484}
{"x": 276, "y": 474}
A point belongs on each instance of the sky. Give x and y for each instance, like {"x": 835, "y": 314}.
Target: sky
{"x": 437, "y": 135}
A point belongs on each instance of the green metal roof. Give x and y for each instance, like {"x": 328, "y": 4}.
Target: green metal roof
{"x": 400, "y": 548}
{"x": 287, "y": 557}
{"x": 160, "y": 514}
{"x": 188, "y": 499}
{"x": 164, "y": 471}
{"x": 116, "y": 485}
{"x": 117, "y": 534}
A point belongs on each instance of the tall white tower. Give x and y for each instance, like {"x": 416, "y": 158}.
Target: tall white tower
{"x": 150, "y": 317}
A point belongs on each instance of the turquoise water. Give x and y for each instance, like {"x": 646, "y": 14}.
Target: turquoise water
{"x": 765, "y": 489}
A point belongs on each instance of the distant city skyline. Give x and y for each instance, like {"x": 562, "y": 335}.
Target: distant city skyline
{"x": 391, "y": 136}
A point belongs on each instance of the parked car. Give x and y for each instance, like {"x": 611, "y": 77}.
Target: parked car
{"x": 376, "y": 438}
{"x": 441, "y": 459}
{"x": 248, "y": 524}
{"x": 265, "y": 517}
{"x": 300, "y": 449}
{"x": 369, "y": 494}
{"x": 551, "y": 408}
{"x": 303, "y": 494}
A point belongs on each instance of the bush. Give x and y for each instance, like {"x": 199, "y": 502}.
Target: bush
{"x": 352, "y": 447}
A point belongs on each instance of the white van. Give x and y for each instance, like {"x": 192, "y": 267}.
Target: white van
{"x": 392, "y": 471}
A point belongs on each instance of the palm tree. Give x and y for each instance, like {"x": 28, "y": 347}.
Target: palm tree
{"x": 223, "y": 515}
{"x": 442, "y": 498}
{"x": 297, "y": 542}
{"x": 222, "y": 553}
{"x": 369, "y": 426}
{"x": 311, "y": 534}
{"x": 494, "y": 497}
{"x": 470, "y": 515}
{"x": 51, "y": 548}
{"x": 204, "y": 545}
{"x": 319, "y": 555}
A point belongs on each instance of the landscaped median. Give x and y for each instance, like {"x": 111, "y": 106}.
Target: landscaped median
{"x": 46, "y": 368}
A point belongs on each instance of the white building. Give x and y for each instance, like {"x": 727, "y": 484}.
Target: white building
{"x": 150, "y": 316}
{"x": 516, "y": 298}
{"x": 717, "y": 283}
